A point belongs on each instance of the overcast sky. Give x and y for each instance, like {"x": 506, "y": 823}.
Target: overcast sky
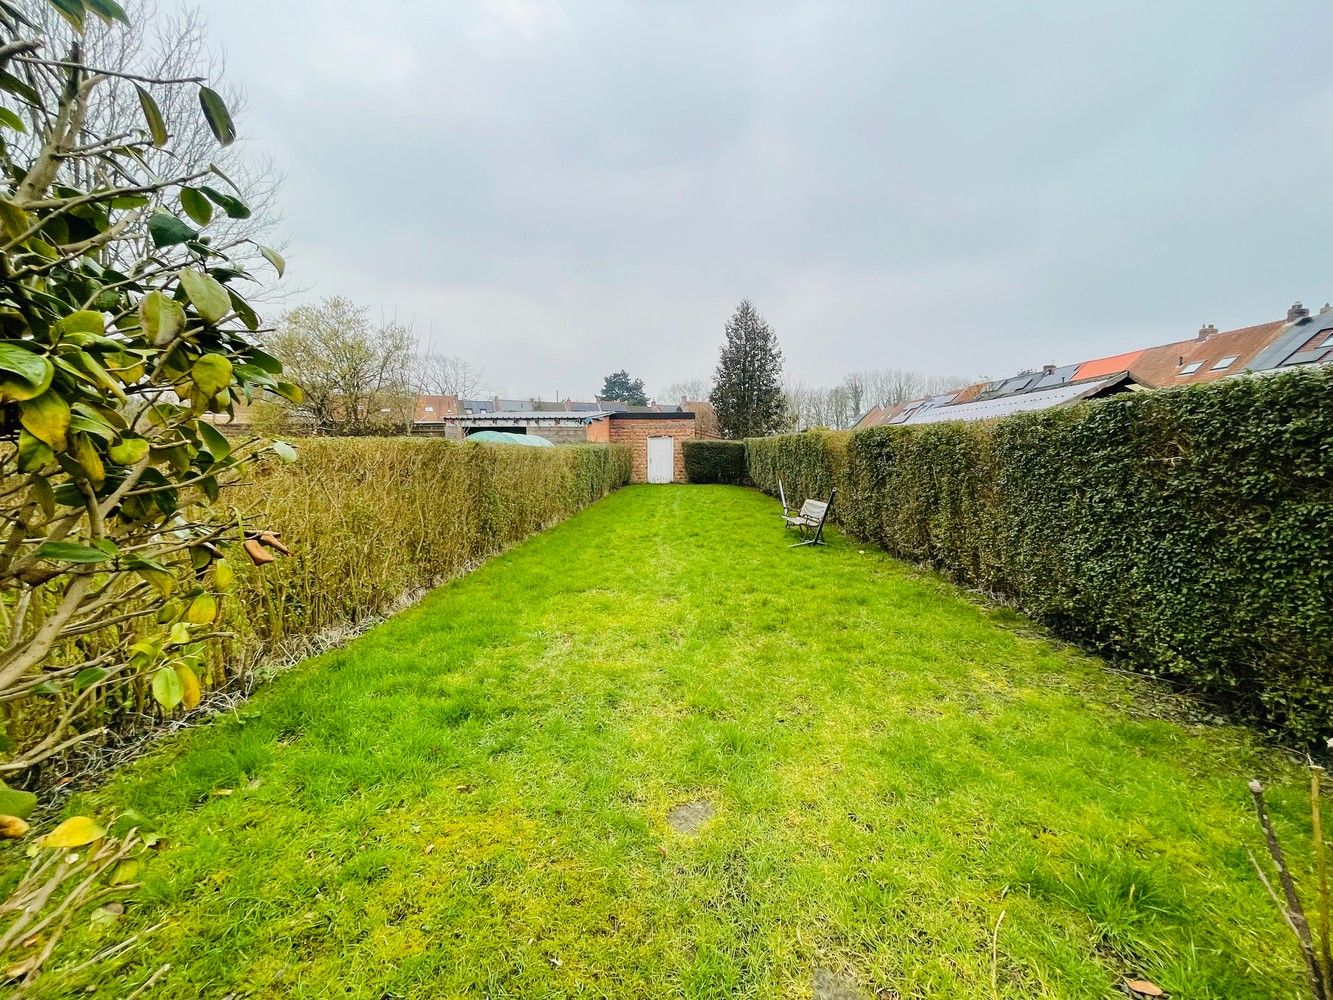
{"x": 555, "y": 190}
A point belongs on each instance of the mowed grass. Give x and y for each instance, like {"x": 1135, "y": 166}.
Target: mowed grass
{"x": 913, "y": 795}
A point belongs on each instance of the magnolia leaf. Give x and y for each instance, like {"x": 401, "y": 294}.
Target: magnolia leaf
{"x": 34, "y": 455}
{"x": 71, "y": 11}
{"x": 41, "y": 488}
{"x": 162, "y": 318}
{"x": 12, "y": 827}
{"x": 10, "y": 120}
{"x": 214, "y": 441}
{"x": 223, "y": 575}
{"x": 107, "y": 10}
{"x": 284, "y": 451}
{"x": 167, "y": 230}
{"x": 25, "y": 374}
{"x": 74, "y": 832}
{"x": 274, "y": 258}
{"x": 84, "y": 321}
{"x": 129, "y": 451}
{"x": 46, "y": 418}
{"x": 202, "y": 610}
{"x": 71, "y": 552}
{"x": 125, "y": 872}
{"x": 160, "y": 580}
{"x": 207, "y": 295}
{"x": 196, "y": 206}
{"x": 248, "y": 316}
{"x": 180, "y": 634}
{"x": 234, "y": 207}
{"x": 85, "y": 453}
{"x": 211, "y": 373}
{"x": 13, "y": 219}
{"x": 157, "y": 128}
{"x": 167, "y": 688}
{"x": 14, "y": 802}
{"x": 190, "y": 690}
{"x": 219, "y": 119}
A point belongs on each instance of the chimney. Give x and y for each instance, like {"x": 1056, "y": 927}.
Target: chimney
{"x": 1297, "y": 312}
{"x": 1327, "y": 309}
{"x": 1048, "y": 369}
{"x": 1207, "y": 331}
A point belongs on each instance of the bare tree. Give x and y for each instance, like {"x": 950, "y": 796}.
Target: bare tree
{"x": 693, "y": 389}
{"x": 449, "y": 375}
{"x": 357, "y": 374}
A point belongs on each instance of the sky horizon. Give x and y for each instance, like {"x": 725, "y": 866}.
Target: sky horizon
{"x": 559, "y": 190}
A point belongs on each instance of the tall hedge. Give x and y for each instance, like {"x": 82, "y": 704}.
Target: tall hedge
{"x": 715, "y": 461}
{"x": 368, "y": 521}
{"x": 1189, "y": 531}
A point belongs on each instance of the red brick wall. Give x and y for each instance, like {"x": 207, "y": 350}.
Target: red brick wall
{"x": 599, "y": 431}
{"x": 636, "y": 433}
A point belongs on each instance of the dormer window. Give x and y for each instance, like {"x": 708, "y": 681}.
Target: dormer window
{"x": 1191, "y": 368}
{"x": 1224, "y": 364}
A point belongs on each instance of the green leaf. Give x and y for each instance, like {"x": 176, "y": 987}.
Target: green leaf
{"x": 214, "y": 440}
{"x": 14, "y": 802}
{"x": 284, "y": 451}
{"x": 130, "y": 451}
{"x": 219, "y": 118}
{"x": 162, "y": 318}
{"x": 10, "y": 120}
{"x": 207, "y": 294}
{"x": 89, "y": 676}
{"x": 34, "y": 455}
{"x": 13, "y": 220}
{"x": 11, "y": 83}
{"x": 84, "y": 321}
{"x": 71, "y": 552}
{"x": 46, "y": 418}
{"x": 167, "y": 230}
{"x": 202, "y": 610}
{"x": 196, "y": 205}
{"x": 211, "y": 373}
{"x": 71, "y": 11}
{"x": 167, "y": 690}
{"x": 274, "y": 258}
{"x": 157, "y": 128}
{"x": 234, "y": 207}
{"x": 26, "y": 374}
{"x": 247, "y": 315}
{"x": 107, "y": 10}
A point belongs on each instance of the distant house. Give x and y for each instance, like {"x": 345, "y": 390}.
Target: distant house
{"x": 653, "y": 433}
{"x": 1300, "y": 339}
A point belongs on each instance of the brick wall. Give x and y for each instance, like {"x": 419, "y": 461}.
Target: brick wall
{"x": 599, "y": 431}
{"x": 635, "y": 433}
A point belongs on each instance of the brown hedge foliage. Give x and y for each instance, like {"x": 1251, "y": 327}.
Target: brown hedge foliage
{"x": 1185, "y": 531}
{"x": 368, "y": 521}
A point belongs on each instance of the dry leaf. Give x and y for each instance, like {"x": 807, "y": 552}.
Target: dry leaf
{"x": 1143, "y": 988}
{"x": 257, "y": 553}
{"x": 12, "y": 828}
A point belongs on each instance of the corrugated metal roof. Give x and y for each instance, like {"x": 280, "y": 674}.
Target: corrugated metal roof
{"x": 520, "y": 415}
{"x": 1002, "y": 406}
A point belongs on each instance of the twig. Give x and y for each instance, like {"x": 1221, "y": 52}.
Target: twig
{"x": 1295, "y": 912}
{"x": 995, "y": 958}
{"x": 65, "y": 64}
{"x": 148, "y": 983}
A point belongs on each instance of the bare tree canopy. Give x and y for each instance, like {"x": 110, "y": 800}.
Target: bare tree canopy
{"x": 692, "y": 390}
{"x": 449, "y": 375}
{"x": 842, "y": 405}
{"x": 357, "y": 374}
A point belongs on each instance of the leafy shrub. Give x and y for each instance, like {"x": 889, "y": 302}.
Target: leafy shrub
{"x": 715, "y": 461}
{"x": 367, "y": 521}
{"x": 1185, "y": 530}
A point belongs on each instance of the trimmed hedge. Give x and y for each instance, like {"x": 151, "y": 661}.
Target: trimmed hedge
{"x": 715, "y": 461}
{"x": 369, "y": 522}
{"x": 1185, "y": 530}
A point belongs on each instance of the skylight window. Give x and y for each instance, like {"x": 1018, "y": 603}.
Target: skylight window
{"x": 1224, "y": 363}
{"x": 1191, "y": 368}
{"x": 1328, "y": 342}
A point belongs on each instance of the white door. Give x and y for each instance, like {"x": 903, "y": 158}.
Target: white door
{"x": 661, "y": 460}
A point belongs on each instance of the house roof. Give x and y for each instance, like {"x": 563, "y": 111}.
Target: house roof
{"x": 1173, "y": 364}
{"x": 1001, "y": 406}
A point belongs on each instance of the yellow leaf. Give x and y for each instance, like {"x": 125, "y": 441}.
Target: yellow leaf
{"x": 223, "y": 575}
{"x": 211, "y": 373}
{"x": 46, "y": 418}
{"x": 74, "y": 832}
{"x": 190, "y": 692}
{"x": 203, "y": 609}
{"x": 12, "y": 828}
{"x": 86, "y": 455}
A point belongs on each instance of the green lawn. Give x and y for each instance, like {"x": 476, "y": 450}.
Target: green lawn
{"x": 472, "y": 800}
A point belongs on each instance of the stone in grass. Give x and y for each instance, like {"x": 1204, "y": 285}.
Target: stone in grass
{"x": 689, "y": 817}
{"x": 830, "y": 985}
